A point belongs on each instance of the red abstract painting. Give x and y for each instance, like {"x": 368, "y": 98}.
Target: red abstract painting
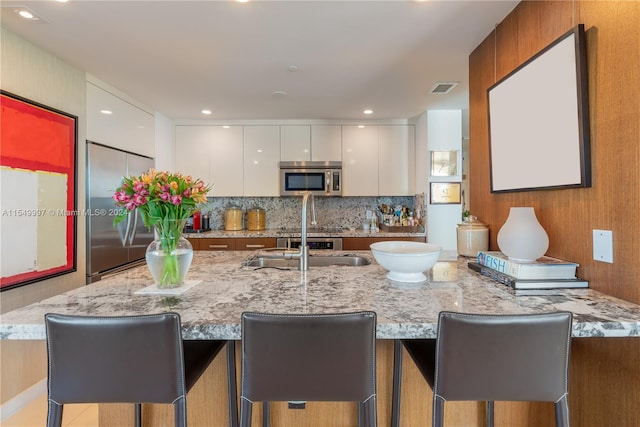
{"x": 38, "y": 180}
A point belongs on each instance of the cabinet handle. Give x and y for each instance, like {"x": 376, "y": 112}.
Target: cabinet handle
{"x": 254, "y": 246}
{"x": 218, "y": 246}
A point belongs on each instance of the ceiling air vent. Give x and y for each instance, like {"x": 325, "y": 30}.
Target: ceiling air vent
{"x": 443, "y": 87}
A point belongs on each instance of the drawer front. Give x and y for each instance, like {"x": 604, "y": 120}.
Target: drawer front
{"x": 255, "y": 243}
{"x": 362, "y": 243}
{"x": 210, "y": 244}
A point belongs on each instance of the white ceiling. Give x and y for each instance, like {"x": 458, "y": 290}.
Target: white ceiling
{"x": 178, "y": 57}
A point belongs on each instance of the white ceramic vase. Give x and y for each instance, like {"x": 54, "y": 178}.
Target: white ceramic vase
{"x": 522, "y": 238}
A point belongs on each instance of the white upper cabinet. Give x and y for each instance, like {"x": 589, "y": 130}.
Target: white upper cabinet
{"x": 212, "y": 154}
{"x": 193, "y": 151}
{"x": 377, "y": 160}
{"x": 326, "y": 143}
{"x": 295, "y": 143}
{"x": 261, "y": 157}
{"x": 126, "y": 127}
{"x": 359, "y": 161}
{"x": 396, "y": 151}
{"x": 227, "y": 162}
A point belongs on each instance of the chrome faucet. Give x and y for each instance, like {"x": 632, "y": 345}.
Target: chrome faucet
{"x": 303, "y": 251}
{"x": 304, "y": 248}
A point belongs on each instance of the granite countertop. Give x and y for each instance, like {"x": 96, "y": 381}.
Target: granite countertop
{"x": 295, "y": 232}
{"x": 223, "y": 288}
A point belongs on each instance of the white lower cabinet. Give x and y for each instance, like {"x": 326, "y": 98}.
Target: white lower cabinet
{"x": 261, "y": 158}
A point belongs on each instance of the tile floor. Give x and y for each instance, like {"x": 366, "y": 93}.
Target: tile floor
{"x": 35, "y": 415}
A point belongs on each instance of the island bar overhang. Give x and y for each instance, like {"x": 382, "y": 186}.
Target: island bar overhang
{"x": 211, "y": 310}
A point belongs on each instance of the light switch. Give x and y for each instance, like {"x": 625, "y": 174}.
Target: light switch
{"x": 603, "y": 245}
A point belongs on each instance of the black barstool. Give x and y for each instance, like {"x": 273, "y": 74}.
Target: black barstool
{"x": 493, "y": 357}
{"x": 329, "y": 357}
{"x": 127, "y": 359}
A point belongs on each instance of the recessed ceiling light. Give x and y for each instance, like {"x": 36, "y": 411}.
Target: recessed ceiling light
{"x": 242, "y": 1}
{"x": 279, "y": 93}
{"x": 292, "y": 68}
{"x": 106, "y": 111}
{"x": 225, "y": 127}
{"x": 26, "y": 13}
{"x": 361, "y": 126}
{"x": 207, "y": 112}
{"x": 368, "y": 111}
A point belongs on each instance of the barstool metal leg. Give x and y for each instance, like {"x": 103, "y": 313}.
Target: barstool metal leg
{"x": 266, "y": 414}
{"x": 245, "y": 412}
{"x": 54, "y": 415}
{"x": 231, "y": 384}
{"x": 562, "y": 412}
{"x": 397, "y": 383}
{"x": 490, "y": 413}
{"x": 438, "y": 412}
{"x": 138, "y": 414}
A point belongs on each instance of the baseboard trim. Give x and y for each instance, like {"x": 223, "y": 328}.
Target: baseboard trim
{"x": 20, "y": 401}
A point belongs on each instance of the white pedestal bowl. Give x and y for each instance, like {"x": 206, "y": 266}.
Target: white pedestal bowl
{"x": 406, "y": 261}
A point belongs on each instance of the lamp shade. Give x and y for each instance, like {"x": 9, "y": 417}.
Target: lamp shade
{"x": 522, "y": 238}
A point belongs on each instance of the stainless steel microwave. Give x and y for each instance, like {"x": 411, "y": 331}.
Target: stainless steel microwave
{"x": 321, "y": 178}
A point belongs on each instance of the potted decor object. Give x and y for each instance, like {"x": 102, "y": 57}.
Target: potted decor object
{"x": 522, "y": 238}
{"x": 165, "y": 200}
{"x": 472, "y": 236}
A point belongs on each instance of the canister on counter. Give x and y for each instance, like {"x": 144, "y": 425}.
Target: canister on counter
{"x": 233, "y": 218}
{"x": 205, "y": 221}
{"x": 473, "y": 236}
{"x": 256, "y": 219}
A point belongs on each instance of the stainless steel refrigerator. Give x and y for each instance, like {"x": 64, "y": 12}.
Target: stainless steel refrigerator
{"x": 112, "y": 248}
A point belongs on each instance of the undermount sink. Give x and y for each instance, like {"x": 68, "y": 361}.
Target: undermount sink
{"x": 314, "y": 261}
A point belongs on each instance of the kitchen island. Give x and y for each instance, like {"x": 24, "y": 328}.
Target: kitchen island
{"x": 211, "y": 309}
{"x": 224, "y": 288}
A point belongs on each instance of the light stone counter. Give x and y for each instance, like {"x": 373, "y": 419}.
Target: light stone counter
{"x": 276, "y": 232}
{"x": 212, "y": 308}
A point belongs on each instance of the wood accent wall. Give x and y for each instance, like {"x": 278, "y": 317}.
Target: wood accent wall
{"x": 605, "y": 382}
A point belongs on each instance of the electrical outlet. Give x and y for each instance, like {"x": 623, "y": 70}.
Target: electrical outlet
{"x": 603, "y": 245}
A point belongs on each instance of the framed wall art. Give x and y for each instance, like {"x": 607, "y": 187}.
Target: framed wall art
{"x": 444, "y": 163}
{"x": 38, "y": 182}
{"x": 445, "y": 193}
{"x": 539, "y": 120}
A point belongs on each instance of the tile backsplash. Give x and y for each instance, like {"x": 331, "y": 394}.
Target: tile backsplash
{"x": 284, "y": 212}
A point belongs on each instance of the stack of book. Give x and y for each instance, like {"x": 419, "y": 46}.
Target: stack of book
{"x": 544, "y": 273}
